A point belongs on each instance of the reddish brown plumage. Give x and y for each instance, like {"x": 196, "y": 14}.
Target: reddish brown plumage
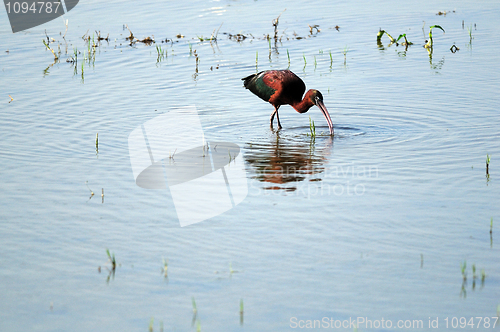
{"x": 282, "y": 87}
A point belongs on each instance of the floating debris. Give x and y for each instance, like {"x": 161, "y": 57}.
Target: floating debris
{"x": 315, "y": 26}
{"x": 454, "y": 48}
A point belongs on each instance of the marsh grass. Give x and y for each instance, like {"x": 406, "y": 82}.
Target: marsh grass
{"x": 469, "y": 30}
{"x": 195, "y": 312}
{"x": 346, "y": 49}
{"x": 463, "y": 267}
{"x": 381, "y": 33}
{"x": 111, "y": 259}
{"x": 91, "y": 192}
{"x": 165, "y": 267}
{"x": 488, "y": 159}
{"x": 50, "y": 49}
{"x": 151, "y": 324}
{"x": 430, "y": 42}
{"x": 406, "y": 42}
{"x": 241, "y": 312}
{"x": 312, "y": 128}
{"x": 193, "y": 302}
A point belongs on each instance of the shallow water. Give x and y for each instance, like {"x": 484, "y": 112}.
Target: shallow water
{"x": 373, "y": 223}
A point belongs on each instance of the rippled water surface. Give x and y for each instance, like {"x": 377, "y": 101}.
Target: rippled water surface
{"x": 373, "y": 223}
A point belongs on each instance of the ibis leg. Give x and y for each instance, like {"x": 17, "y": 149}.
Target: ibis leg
{"x": 275, "y": 112}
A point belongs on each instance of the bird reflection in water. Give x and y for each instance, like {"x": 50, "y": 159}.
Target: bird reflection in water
{"x": 281, "y": 164}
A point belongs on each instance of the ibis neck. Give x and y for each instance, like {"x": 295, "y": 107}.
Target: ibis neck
{"x": 303, "y": 106}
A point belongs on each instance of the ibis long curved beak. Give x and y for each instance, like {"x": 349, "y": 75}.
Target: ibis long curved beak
{"x": 323, "y": 109}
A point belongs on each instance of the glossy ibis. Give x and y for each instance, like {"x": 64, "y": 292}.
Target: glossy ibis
{"x": 282, "y": 87}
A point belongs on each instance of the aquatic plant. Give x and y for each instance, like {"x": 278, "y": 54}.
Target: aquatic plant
{"x": 488, "y": 159}
{"x": 111, "y": 259}
{"x": 406, "y": 40}
{"x": 312, "y": 127}
{"x": 381, "y": 33}
{"x": 288, "y": 54}
{"x": 346, "y": 49}
{"x": 241, "y": 311}
{"x": 469, "y": 29}
{"x": 463, "y": 266}
{"x": 91, "y": 192}
{"x": 165, "y": 267}
{"x": 430, "y": 41}
{"x": 151, "y": 323}
{"x": 193, "y": 302}
{"x": 50, "y": 49}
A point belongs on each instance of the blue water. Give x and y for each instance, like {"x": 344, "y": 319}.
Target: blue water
{"x": 373, "y": 223}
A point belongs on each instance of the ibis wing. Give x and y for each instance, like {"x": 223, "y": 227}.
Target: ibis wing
{"x": 258, "y": 84}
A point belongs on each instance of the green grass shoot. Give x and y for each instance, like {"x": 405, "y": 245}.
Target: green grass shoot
{"x": 50, "y": 49}
{"x": 194, "y": 305}
{"x": 312, "y": 127}
{"x": 314, "y": 61}
{"x": 483, "y": 275}
{"x": 381, "y": 33}
{"x": 430, "y": 41}
{"x": 165, "y": 266}
{"x": 151, "y": 323}
{"x": 488, "y": 159}
{"x": 406, "y": 40}
{"x": 288, "y": 54}
{"x": 241, "y": 306}
{"x": 231, "y": 271}
{"x": 111, "y": 259}
{"x": 198, "y": 326}
{"x": 463, "y": 267}
{"x": 474, "y": 276}
{"x": 469, "y": 29}
{"x": 331, "y": 58}
{"x": 305, "y": 61}
{"x": 491, "y": 225}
